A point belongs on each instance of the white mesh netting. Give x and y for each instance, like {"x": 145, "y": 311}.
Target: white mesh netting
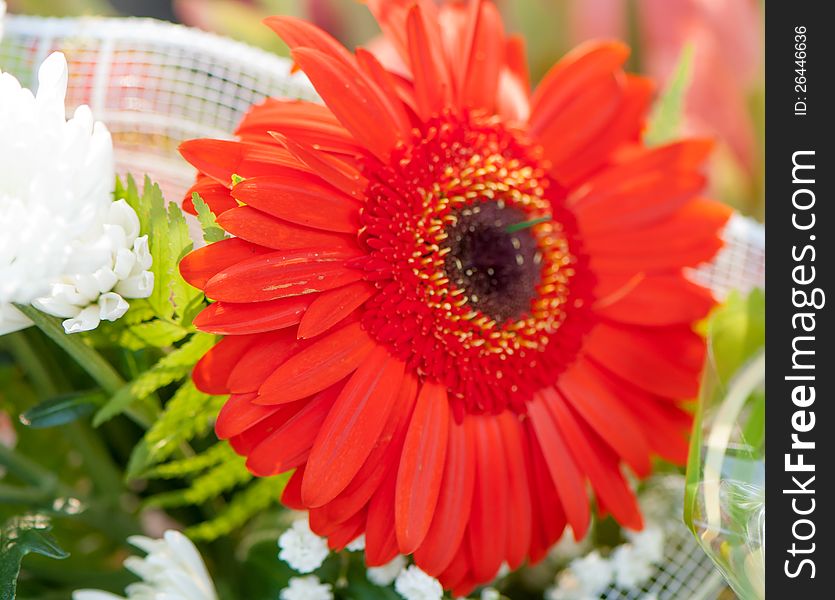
{"x": 156, "y": 84}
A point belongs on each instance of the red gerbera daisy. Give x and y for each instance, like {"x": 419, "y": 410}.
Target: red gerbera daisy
{"x": 450, "y": 304}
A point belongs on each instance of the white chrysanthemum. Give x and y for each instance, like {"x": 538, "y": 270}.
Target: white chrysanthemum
{"x": 302, "y": 549}
{"x": 384, "y": 575}
{"x": 414, "y": 584}
{"x": 65, "y": 246}
{"x": 172, "y": 569}
{"x": 306, "y": 588}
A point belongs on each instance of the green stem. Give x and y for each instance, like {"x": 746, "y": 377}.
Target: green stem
{"x": 12, "y": 494}
{"x": 526, "y": 224}
{"x": 88, "y": 359}
{"x": 29, "y": 471}
{"x": 31, "y": 364}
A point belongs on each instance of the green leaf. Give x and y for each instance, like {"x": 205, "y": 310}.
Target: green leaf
{"x": 162, "y": 267}
{"x": 21, "y": 536}
{"x": 179, "y": 244}
{"x": 62, "y": 409}
{"x": 212, "y": 232}
{"x": 224, "y": 477}
{"x": 167, "y": 370}
{"x": 256, "y": 497}
{"x": 191, "y": 465}
{"x": 157, "y": 333}
{"x": 666, "y": 116}
{"x": 188, "y": 414}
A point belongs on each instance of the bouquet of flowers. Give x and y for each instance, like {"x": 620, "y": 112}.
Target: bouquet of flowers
{"x": 418, "y": 328}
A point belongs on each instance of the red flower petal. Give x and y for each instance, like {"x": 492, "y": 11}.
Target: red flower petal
{"x": 260, "y": 228}
{"x": 597, "y": 461}
{"x": 221, "y": 159}
{"x": 485, "y": 61}
{"x": 339, "y": 173}
{"x": 215, "y": 194}
{"x": 240, "y": 414}
{"x": 329, "y": 308}
{"x": 204, "y": 263}
{"x": 358, "y": 103}
{"x": 488, "y": 527}
{"x": 382, "y": 461}
{"x": 346, "y": 532}
{"x": 312, "y": 124}
{"x": 380, "y": 539}
{"x": 625, "y": 126}
{"x": 433, "y": 85}
{"x": 297, "y": 33}
{"x": 666, "y": 363}
{"x": 605, "y": 413}
{"x": 452, "y": 513}
{"x": 578, "y": 69}
{"x": 387, "y": 83}
{"x": 290, "y": 445}
{"x": 567, "y": 479}
{"x": 421, "y": 467}
{"x": 640, "y": 200}
{"x": 352, "y": 428}
{"x": 637, "y": 303}
{"x": 519, "y": 500}
{"x": 225, "y": 318}
{"x": 261, "y": 359}
{"x": 514, "y": 83}
{"x": 302, "y": 199}
{"x": 547, "y": 511}
{"x": 665, "y": 425}
{"x": 282, "y": 274}
{"x": 458, "y": 569}
{"x": 318, "y": 365}
{"x": 291, "y": 497}
{"x": 212, "y": 371}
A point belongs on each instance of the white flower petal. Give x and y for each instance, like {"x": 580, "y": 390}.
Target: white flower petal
{"x": 414, "y": 584}
{"x": 137, "y": 286}
{"x": 123, "y": 263}
{"x": 358, "y": 545}
{"x": 86, "y": 320}
{"x": 94, "y": 595}
{"x": 52, "y": 80}
{"x": 386, "y": 574}
{"x": 56, "y": 306}
{"x": 593, "y": 571}
{"x": 124, "y": 216}
{"x": 112, "y": 306}
{"x": 12, "y": 319}
{"x": 306, "y": 588}
{"x": 143, "y": 255}
{"x": 63, "y": 240}
{"x": 632, "y": 569}
{"x": 302, "y": 549}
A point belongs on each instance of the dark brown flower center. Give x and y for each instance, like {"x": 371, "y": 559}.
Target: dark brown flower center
{"x": 494, "y": 259}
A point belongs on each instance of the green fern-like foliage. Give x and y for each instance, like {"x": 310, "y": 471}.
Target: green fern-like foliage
{"x": 214, "y": 476}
